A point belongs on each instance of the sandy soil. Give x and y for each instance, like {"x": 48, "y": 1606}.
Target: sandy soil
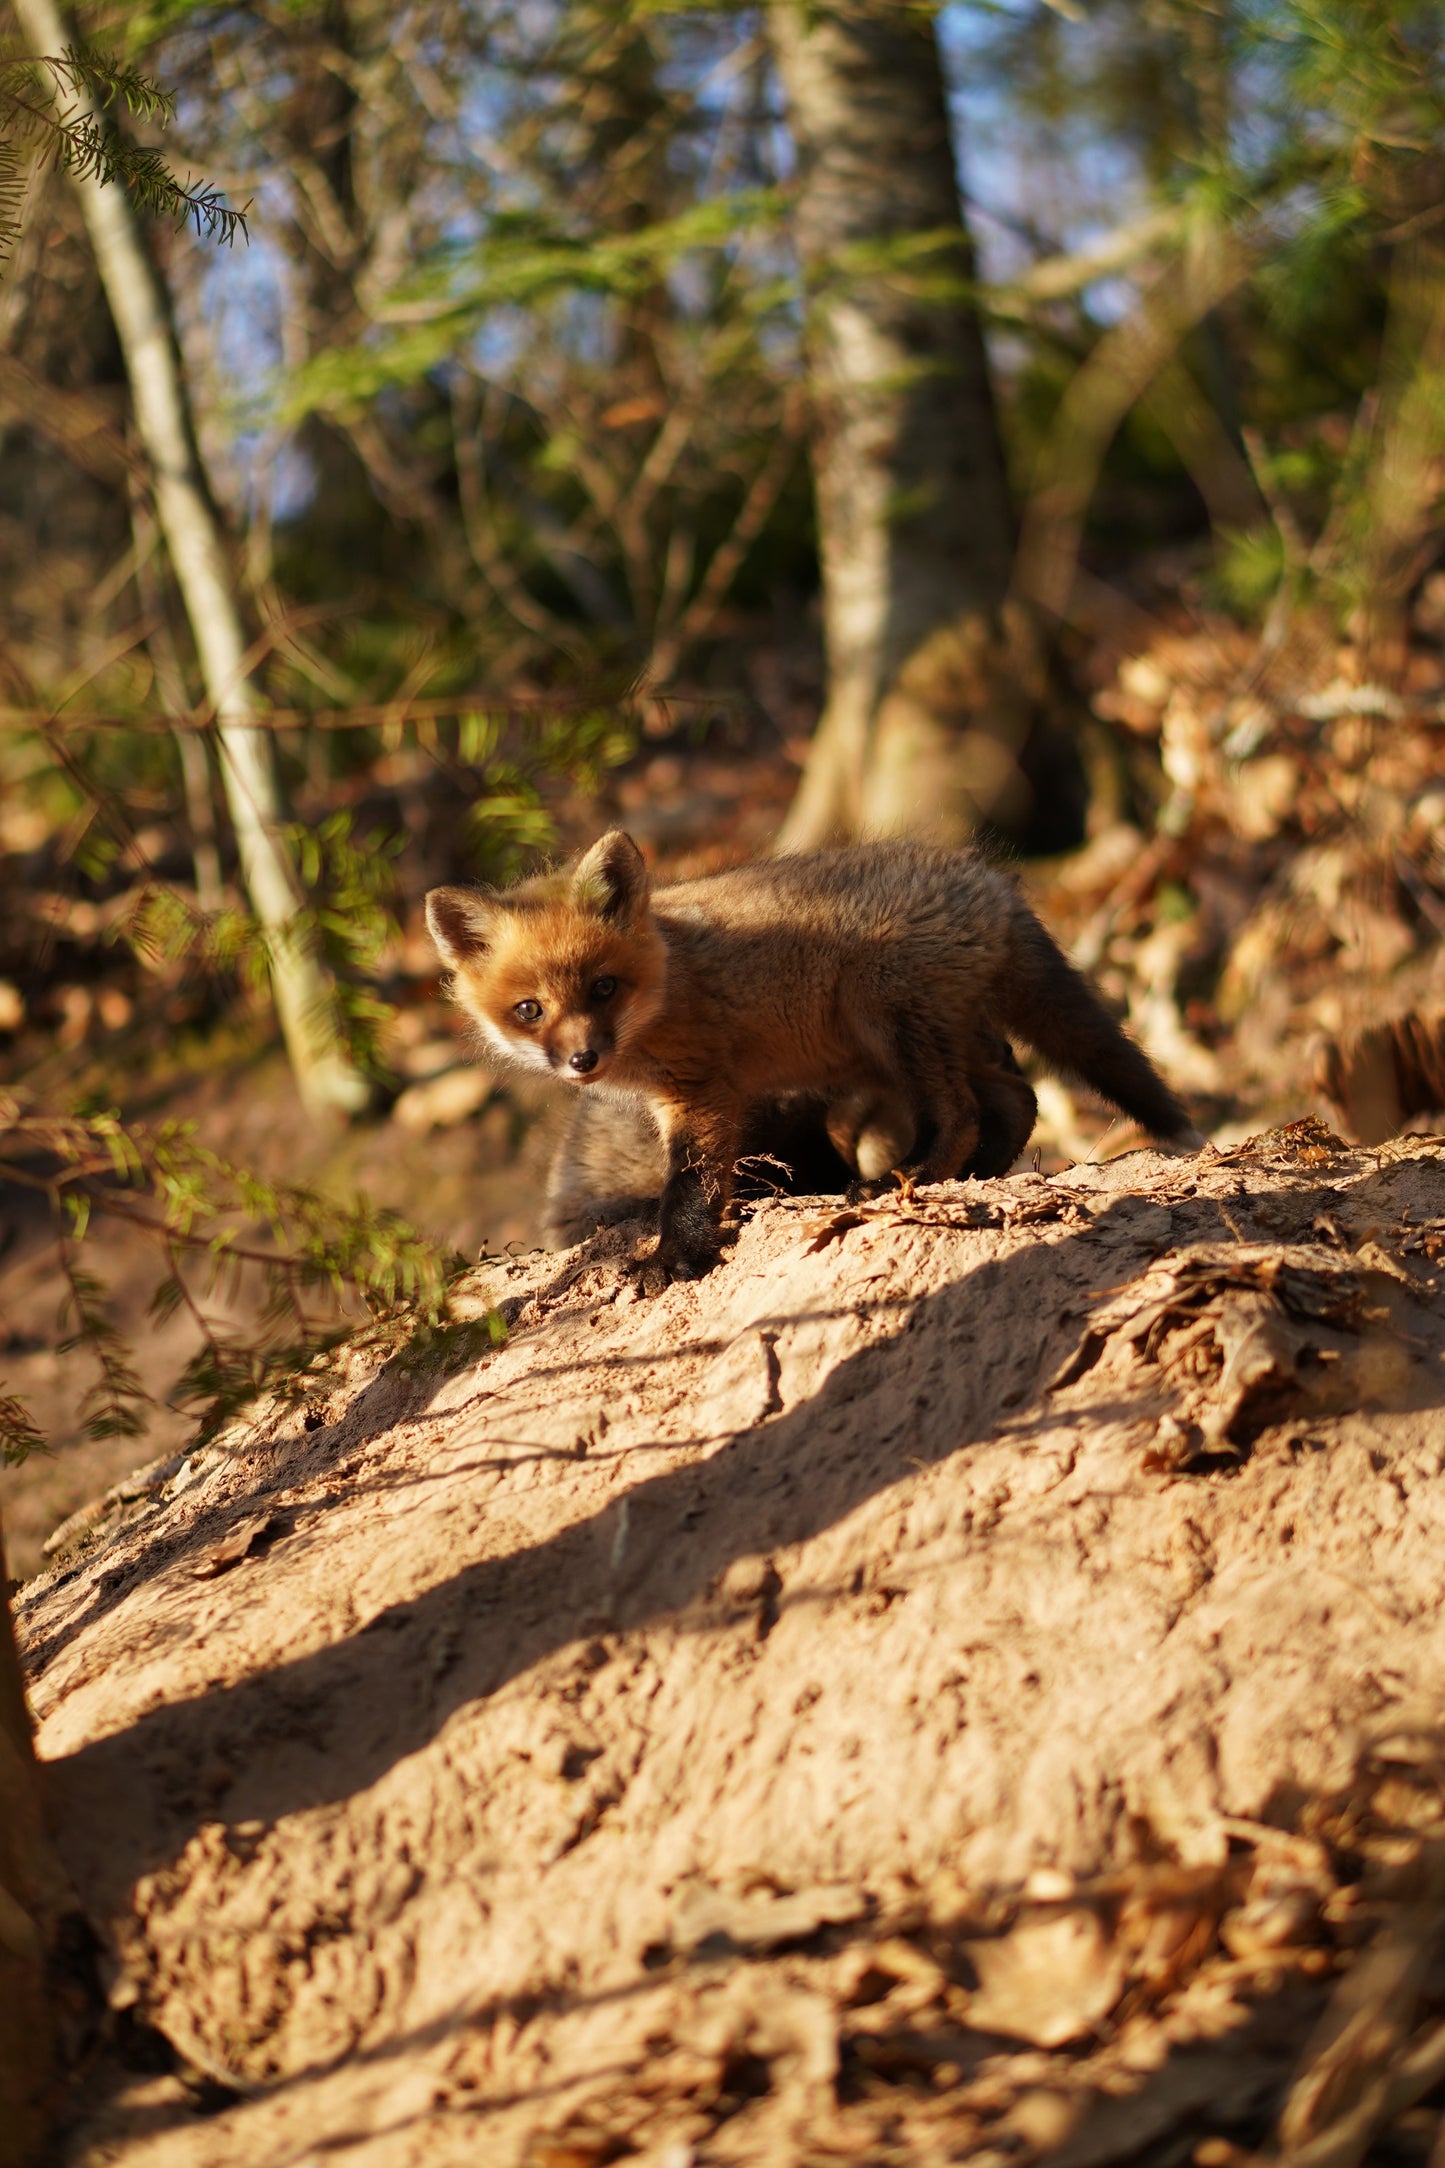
{"x": 870, "y": 1704}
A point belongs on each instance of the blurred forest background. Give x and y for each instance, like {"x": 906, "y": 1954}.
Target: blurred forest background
{"x": 750, "y": 424}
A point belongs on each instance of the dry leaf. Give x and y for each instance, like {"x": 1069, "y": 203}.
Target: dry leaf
{"x": 1049, "y": 1981}
{"x": 252, "y": 1534}
{"x": 824, "y": 1231}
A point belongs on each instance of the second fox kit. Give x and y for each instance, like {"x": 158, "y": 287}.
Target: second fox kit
{"x": 874, "y": 978}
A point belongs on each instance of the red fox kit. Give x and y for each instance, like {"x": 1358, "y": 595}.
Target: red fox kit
{"x": 875, "y": 978}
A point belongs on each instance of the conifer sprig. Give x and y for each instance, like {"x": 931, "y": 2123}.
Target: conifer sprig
{"x": 19, "y": 1434}
{"x": 50, "y": 108}
{"x": 321, "y": 1267}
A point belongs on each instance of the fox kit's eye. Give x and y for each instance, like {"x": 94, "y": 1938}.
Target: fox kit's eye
{"x": 604, "y": 988}
{"x": 527, "y": 1012}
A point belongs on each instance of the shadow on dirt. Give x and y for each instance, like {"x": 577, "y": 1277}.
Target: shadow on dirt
{"x": 332, "y": 1722}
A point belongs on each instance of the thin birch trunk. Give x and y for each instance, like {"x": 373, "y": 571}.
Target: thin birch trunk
{"x": 934, "y": 685}
{"x": 139, "y": 304}
{"x": 170, "y": 684}
{"x": 196, "y": 783}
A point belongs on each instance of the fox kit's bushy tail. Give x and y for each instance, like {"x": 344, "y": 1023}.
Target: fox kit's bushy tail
{"x": 1055, "y": 1009}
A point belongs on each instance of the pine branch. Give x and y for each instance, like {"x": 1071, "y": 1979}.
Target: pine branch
{"x": 12, "y": 195}
{"x": 34, "y": 113}
{"x": 315, "y": 1264}
{"x": 19, "y": 1436}
{"x": 112, "y": 1408}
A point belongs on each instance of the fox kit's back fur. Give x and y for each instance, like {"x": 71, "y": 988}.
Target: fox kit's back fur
{"x": 873, "y": 978}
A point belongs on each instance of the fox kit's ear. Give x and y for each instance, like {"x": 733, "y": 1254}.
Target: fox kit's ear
{"x": 462, "y": 922}
{"x": 611, "y": 877}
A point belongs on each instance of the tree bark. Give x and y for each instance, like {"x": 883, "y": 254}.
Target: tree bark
{"x": 31, "y": 1894}
{"x": 170, "y": 684}
{"x": 935, "y": 680}
{"x": 140, "y": 305}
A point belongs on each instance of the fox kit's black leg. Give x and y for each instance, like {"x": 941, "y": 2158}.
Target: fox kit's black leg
{"x": 702, "y": 1148}
{"x": 689, "y": 1221}
{"x": 942, "y": 1086}
{"x": 1007, "y": 1111}
{"x": 955, "y": 1133}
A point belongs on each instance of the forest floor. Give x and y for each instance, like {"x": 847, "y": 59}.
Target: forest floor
{"x": 960, "y": 1683}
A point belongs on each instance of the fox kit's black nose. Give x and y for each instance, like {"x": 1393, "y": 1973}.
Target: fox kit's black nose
{"x": 583, "y": 1060}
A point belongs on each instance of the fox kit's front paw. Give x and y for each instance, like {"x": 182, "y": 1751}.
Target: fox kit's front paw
{"x": 689, "y": 1226}
{"x": 866, "y": 1192}
{"x": 676, "y": 1260}
{"x": 649, "y": 1277}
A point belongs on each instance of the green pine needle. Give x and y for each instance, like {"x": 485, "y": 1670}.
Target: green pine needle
{"x": 38, "y": 114}
{"x": 317, "y": 1269}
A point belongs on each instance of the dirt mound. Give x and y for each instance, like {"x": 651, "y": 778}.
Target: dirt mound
{"x": 868, "y": 1703}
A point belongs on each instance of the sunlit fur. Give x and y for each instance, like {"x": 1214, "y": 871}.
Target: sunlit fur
{"x": 876, "y": 978}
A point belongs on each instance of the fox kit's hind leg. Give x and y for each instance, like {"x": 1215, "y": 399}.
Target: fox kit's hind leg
{"x": 873, "y": 1130}
{"x": 886, "y": 1131}
{"x": 955, "y": 1129}
{"x": 941, "y": 1077}
{"x": 1007, "y": 1108}
{"x": 967, "y": 1110}
{"x": 917, "y": 1115}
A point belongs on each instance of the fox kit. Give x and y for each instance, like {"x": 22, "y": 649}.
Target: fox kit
{"x": 876, "y": 978}
{"x": 611, "y": 1162}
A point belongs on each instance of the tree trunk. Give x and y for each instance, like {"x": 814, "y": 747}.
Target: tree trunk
{"x": 305, "y": 997}
{"x": 171, "y": 685}
{"x": 935, "y": 684}
{"x": 30, "y": 1900}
